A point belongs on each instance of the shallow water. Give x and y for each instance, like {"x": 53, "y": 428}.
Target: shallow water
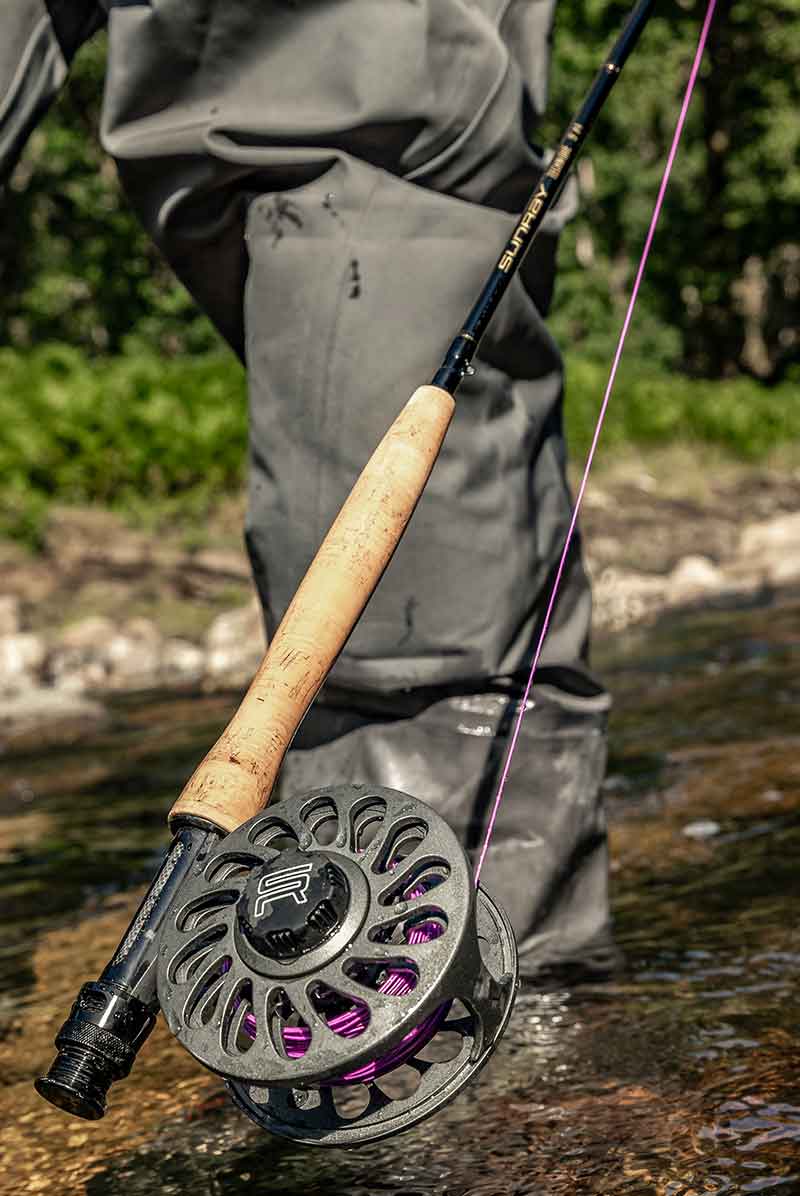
{"x": 678, "y": 1077}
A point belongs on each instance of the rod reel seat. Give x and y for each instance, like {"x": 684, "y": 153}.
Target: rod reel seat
{"x": 326, "y": 943}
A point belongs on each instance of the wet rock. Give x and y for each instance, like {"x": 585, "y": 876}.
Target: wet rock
{"x": 692, "y": 577}
{"x": 76, "y": 662}
{"x": 77, "y": 536}
{"x": 95, "y": 654}
{"x": 785, "y": 570}
{"x": 21, "y": 659}
{"x": 64, "y": 715}
{"x": 597, "y": 498}
{"x": 222, "y": 563}
{"x": 772, "y": 547}
{"x": 623, "y": 597}
{"x": 74, "y": 672}
{"x": 235, "y": 644}
{"x": 182, "y": 661}
{"x": 770, "y": 535}
{"x": 617, "y": 782}
{"x": 91, "y": 633}
{"x": 604, "y": 550}
{"x": 133, "y": 656}
{"x": 702, "y": 828}
{"x": 9, "y": 615}
{"x": 144, "y": 630}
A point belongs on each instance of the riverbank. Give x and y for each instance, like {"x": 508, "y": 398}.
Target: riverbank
{"x": 106, "y": 608}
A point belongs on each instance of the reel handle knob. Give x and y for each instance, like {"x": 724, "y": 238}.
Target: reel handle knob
{"x": 234, "y": 781}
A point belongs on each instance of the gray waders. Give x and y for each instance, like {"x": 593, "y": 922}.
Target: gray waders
{"x": 332, "y": 181}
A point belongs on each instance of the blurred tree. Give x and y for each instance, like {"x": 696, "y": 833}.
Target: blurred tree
{"x": 75, "y": 265}
{"x": 723, "y": 287}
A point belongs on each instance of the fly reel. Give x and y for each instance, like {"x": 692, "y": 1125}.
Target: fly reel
{"x": 325, "y": 944}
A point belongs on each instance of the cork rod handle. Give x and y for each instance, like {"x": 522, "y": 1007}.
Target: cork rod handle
{"x": 236, "y": 778}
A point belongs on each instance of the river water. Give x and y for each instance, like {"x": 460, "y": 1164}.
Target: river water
{"x": 680, "y": 1076}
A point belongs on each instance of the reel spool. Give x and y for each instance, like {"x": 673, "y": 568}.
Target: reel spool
{"x": 324, "y": 944}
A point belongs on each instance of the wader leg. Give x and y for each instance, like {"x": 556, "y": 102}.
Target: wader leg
{"x": 350, "y": 302}
{"x": 548, "y": 863}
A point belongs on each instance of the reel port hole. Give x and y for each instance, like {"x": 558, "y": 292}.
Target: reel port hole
{"x": 230, "y": 866}
{"x": 205, "y": 908}
{"x": 346, "y": 1015}
{"x": 273, "y": 833}
{"x": 321, "y": 817}
{"x": 400, "y": 1083}
{"x": 289, "y": 1033}
{"x": 350, "y": 1100}
{"x": 367, "y": 816}
{"x": 415, "y": 881}
{"x": 188, "y": 960}
{"x": 405, "y": 837}
{"x": 396, "y": 977}
{"x": 239, "y": 1028}
{"x": 421, "y": 927}
{"x": 443, "y": 1047}
{"x": 203, "y": 1000}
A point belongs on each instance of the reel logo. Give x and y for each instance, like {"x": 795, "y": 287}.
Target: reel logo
{"x": 276, "y": 886}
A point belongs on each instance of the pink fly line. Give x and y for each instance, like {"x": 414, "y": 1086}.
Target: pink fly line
{"x": 598, "y": 426}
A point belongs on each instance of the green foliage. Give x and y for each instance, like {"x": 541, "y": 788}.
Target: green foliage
{"x": 653, "y": 407}
{"x": 732, "y": 202}
{"x": 128, "y": 432}
{"x": 75, "y": 265}
{"x": 141, "y": 434}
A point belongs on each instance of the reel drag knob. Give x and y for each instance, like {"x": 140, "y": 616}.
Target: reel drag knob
{"x": 292, "y": 906}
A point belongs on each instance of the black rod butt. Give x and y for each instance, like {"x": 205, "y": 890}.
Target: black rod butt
{"x": 77, "y": 1082}
{"x": 96, "y": 1046}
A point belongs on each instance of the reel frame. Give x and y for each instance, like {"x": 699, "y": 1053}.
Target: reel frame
{"x": 410, "y": 873}
{"x": 405, "y": 869}
{"x": 315, "y": 1117}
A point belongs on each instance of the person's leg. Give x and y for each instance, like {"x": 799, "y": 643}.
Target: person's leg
{"x": 547, "y": 863}
{"x": 347, "y": 311}
{"x": 346, "y": 314}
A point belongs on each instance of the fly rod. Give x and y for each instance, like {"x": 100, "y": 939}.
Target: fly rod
{"x": 323, "y": 943}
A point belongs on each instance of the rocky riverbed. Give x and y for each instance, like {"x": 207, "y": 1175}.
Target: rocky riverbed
{"x": 676, "y": 1077}
{"x": 104, "y": 609}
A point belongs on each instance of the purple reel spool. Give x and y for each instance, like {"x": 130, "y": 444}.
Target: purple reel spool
{"x": 334, "y": 962}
